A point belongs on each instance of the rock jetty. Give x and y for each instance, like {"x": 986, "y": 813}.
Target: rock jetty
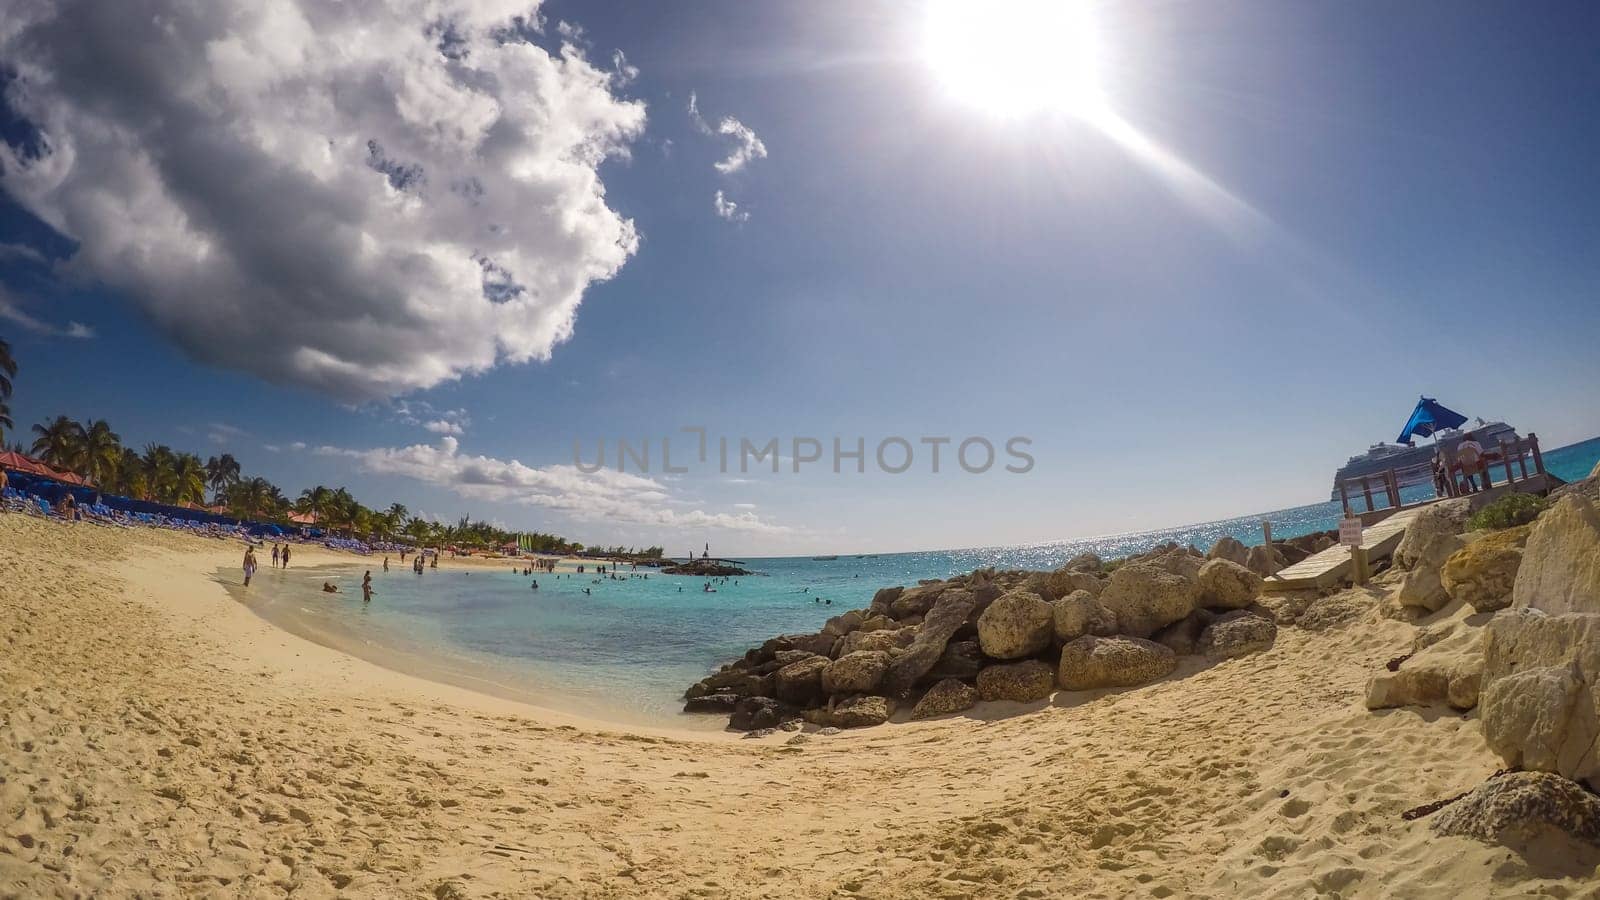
{"x": 939, "y": 647}
{"x": 705, "y": 568}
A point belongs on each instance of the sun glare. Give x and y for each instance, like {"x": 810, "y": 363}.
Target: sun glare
{"x": 1016, "y": 57}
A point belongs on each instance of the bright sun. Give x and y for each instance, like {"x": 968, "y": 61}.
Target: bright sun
{"x": 1016, "y": 57}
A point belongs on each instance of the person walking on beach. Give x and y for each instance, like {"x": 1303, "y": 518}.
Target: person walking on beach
{"x": 386, "y": 563}
{"x": 286, "y": 556}
{"x": 274, "y": 556}
{"x": 249, "y": 564}
{"x": 366, "y": 587}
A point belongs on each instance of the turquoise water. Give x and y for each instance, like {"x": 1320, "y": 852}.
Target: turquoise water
{"x": 628, "y": 649}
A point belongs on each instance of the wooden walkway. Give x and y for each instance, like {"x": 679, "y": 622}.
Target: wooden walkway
{"x": 1332, "y": 565}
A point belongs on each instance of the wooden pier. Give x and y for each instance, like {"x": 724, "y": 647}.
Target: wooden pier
{"x": 1333, "y": 565}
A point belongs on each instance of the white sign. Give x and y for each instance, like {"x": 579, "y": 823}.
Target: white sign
{"x": 1350, "y": 532}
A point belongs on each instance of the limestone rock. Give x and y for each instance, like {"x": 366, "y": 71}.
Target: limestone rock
{"x": 960, "y": 659}
{"x": 1183, "y": 636}
{"x": 1237, "y": 633}
{"x": 819, "y": 644}
{"x": 1095, "y": 662}
{"x": 1423, "y": 586}
{"x": 1230, "y": 549}
{"x": 1444, "y": 517}
{"x": 1084, "y": 562}
{"x": 843, "y": 624}
{"x": 942, "y": 621}
{"x": 1560, "y": 571}
{"x": 1181, "y": 562}
{"x": 1225, "y": 584}
{"x": 1447, "y": 668}
{"x": 1017, "y": 625}
{"x": 946, "y": 697}
{"x": 755, "y": 713}
{"x": 1022, "y": 681}
{"x": 883, "y": 640}
{"x": 1482, "y": 575}
{"x": 861, "y": 712}
{"x": 1263, "y": 560}
{"x": 719, "y": 702}
{"x": 855, "y": 673}
{"x": 1524, "y": 810}
{"x": 1064, "y": 582}
{"x": 916, "y": 601}
{"x": 800, "y": 683}
{"x": 1526, "y": 714}
{"x": 1145, "y": 597}
{"x": 1080, "y": 613}
{"x": 1518, "y": 640}
{"x": 883, "y": 600}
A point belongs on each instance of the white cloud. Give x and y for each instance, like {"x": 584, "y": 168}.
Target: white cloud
{"x": 746, "y": 145}
{"x": 727, "y": 209}
{"x": 223, "y": 433}
{"x": 364, "y": 198}
{"x": 21, "y": 252}
{"x": 297, "y": 446}
{"x": 271, "y": 448}
{"x": 624, "y": 73}
{"x": 11, "y": 311}
{"x": 425, "y": 415}
{"x": 603, "y": 496}
{"x": 441, "y": 426}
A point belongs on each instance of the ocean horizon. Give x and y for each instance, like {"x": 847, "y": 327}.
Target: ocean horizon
{"x": 627, "y": 649}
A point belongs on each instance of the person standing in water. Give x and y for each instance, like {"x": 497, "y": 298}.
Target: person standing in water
{"x": 366, "y": 587}
{"x": 386, "y": 563}
{"x": 286, "y": 556}
{"x": 274, "y": 556}
{"x": 249, "y": 564}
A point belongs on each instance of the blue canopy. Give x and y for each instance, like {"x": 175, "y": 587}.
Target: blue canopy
{"x": 1428, "y": 418}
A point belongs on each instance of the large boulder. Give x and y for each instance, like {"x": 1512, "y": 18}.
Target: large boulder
{"x": 861, "y": 712}
{"x": 855, "y": 673}
{"x": 1021, "y": 681}
{"x": 1444, "y": 517}
{"x": 917, "y": 601}
{"x": 753, "y": 713}
{"x": 1183, "y": 636}
{"x": 1560, "y": 571}
{"x": 1181, "y": 562}
{"x": 1483, "y": 573}
{"x": 944, "y": 618}
{"x": 1263, "y": 560}
{"x": 1064, "y": 582}
{"x": 1518, "y": 641}
{"x": 945, "y": 697}
{"x": 1146, "y": 597}
{"x": 1446, "y": 669}
{"x": 1083, "y": 562}
{"x": 719, "y": 702}
{"x": 1237, "y": 633}
{"x": 882, "y": 640}
{"x": 1230, "y": 549}
{"x": 1017, "y": 625}
{"x": 1225, "y": 584}
{"x": 819, "y": 644}
{"x": 1525, "y": 810}
{"x": 843, "y": 624}
{"x": 883, "y": 600}
{"x": 800, "y": 683}
{"x": 1095, "y": 662}
{"x": 1080, "y": 613}
{"x": 1526, "y": 715}
{"x": 1423, "y": 586}
{"x": 960, "y": 659}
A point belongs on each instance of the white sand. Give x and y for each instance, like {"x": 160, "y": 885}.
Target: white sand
{"x": 157, "y": 739}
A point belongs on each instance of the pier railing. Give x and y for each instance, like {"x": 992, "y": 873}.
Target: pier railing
{"x": 1510, "y": 459}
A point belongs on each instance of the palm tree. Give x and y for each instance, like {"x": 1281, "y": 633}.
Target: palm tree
{"x": 60, "y": 443}
{"x": 254, "y": 498}
{"x": 5, "y": 419}
{"x": 189, "y": 479}
{"x": 159, "y": 465}
{"x": 221, "y": 472}
{"x": 314, "y": 500}
{"x": 102, "y": 452}
{"x": 8, "y": 370}
{"x": 130, "y": 477}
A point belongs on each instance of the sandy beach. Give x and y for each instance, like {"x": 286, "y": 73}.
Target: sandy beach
{"x": 157, "y": 739}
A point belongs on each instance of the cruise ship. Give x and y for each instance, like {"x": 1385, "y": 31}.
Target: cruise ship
{"x": 1413, "y": 463}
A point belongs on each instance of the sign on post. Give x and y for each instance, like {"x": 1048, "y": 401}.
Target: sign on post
{"x": 1350, "y": 532}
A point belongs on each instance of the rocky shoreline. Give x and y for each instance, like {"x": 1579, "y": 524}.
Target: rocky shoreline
{"x": 1508, "y": 624}
{"x": 939, "y": 647}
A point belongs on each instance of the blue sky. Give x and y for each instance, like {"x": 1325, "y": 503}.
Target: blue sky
{"x": 1414, "y": 210}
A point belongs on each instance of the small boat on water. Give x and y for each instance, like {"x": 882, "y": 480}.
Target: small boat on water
{"x": 1413, "y": 464}
{"x": 824, "y": 558}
